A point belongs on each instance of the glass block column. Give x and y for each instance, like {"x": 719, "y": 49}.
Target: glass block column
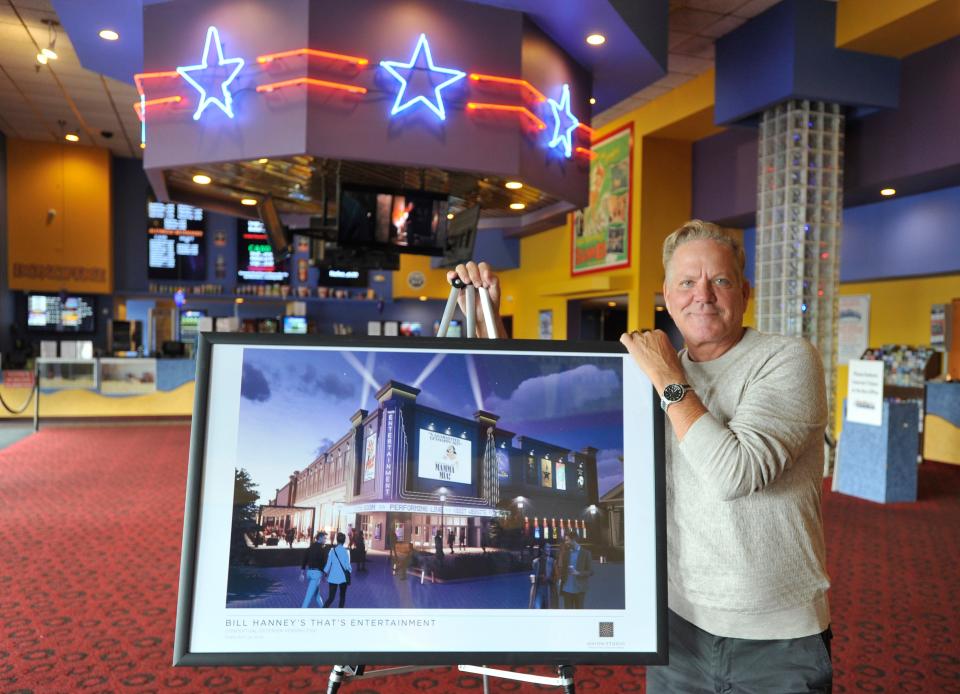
{"x": 798, "y": 225}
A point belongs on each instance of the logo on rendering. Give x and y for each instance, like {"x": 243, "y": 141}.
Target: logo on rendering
{"x": 421, "y": 54}
{"x": 221, "y": 94}
{"x": 563, "y": 134}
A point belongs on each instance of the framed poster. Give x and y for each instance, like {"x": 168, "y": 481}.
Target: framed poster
{"x": 284, "y": 422}
{"x": 853, "y": 327}
{"x": 600, "y": 233}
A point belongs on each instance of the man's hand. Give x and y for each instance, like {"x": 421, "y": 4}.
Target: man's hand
{"x": 655, "y": 356}
{"x": 480, "y": 276}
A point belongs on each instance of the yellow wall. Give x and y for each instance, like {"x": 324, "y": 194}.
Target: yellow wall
{"x": 899, "y": 314}
{"x": 895, "y": 27}
{"x": 59, "y": 232}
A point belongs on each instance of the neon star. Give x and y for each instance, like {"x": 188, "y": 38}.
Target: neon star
{"x": 224, "y": 101}
{"x": 561, "y": 111}
{"x": 435, "y": 105}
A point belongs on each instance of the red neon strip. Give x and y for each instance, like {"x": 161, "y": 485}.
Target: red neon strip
{"x": 473, "y": 106}
{"x": 153, "y": 102}
{"x": 588, "y": 153}
{"x": 312, "y": 83}
{"x": 510, "y": 80}
{"x": 151, "y": 75}
{"x": 586, "y": 128}
{"x": 270, "y": 57}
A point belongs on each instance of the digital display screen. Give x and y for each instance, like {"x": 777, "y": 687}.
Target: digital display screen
{"x": 255, "y": 258}
{"x": 295, "y": 325}
{"x": 444, "y": 457}
{"x": 411, "y": 329}
{"x": 190, "y": 324}
{"x": 60, "y": 314}
{"x": 410, "y": 222}
{"x": 176, "y": 243}
{"x": 342, "y": 277}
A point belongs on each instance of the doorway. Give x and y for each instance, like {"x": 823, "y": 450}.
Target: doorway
{"x": 598, "y": 318}
{"x": 663, "y": 321}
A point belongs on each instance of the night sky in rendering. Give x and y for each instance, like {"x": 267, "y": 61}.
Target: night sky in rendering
{"x": 296, "y": 402}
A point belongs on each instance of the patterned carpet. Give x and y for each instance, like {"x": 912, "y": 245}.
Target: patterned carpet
{"x": 91, "y": 540}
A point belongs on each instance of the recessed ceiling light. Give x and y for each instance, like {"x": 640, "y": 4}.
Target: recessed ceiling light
{"x": 660, "y": 308}
{"x": 202, "y": 179}
{"x": 517, "y": 205}
{"x": 596, "y": 39}
{"x": 248, "y": 201}
{"x": 612, "y": 304}
{"x": 262, "y": 161}
{"x": 423, "y": 298}
{"x": 887, "y": 192}
{"x": 71, "y": 137}
{"x": 109, "y": 35}
{"x": 513, "y": 185}
{"x": 449, "y": 215}
{"x": 593, "y": 100}
{"x": 143, "y": 145}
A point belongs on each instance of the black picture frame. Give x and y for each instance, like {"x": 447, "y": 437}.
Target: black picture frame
{"x": 184, "y": 656}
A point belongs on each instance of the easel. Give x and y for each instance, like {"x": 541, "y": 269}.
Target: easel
{"x": 564, "y": 677}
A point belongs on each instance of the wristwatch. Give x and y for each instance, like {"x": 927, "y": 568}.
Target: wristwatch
{"x": 672, "y": 394}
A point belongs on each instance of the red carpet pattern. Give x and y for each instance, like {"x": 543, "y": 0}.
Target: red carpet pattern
{"x": 91, "y": 539}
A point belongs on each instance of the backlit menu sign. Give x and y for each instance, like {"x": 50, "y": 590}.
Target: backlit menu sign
{"x": 175, "y": 238}
{"x": 255, "y": 259}
{"x": 54, "y": 312}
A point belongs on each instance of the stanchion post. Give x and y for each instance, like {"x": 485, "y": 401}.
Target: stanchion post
{"x": 36, "y": 404}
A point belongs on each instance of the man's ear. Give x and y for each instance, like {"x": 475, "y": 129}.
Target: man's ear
{"x": 746, "y": 292}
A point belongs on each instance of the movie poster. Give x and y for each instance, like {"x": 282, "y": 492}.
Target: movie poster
{"x": 546, "y": 473}
{"x": 444, "y": 457}
{"x": 503, "y": 466}
{"x": 560, "y": 475}
{"x": 370, "y": 458}
{"x": 600, "y": 233}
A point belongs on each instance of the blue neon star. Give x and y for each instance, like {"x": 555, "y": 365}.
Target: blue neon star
{"x": 226, "y": 101}
{"x": 563, "y": 109}
{"x": 401, "y": 105}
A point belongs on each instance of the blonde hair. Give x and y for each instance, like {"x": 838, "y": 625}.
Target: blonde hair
{"x": 698, "y": 230}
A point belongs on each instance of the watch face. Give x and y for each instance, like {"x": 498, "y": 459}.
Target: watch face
{"x": 673, "y": 392}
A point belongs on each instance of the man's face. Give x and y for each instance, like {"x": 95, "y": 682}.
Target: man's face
{"x": 704, "y": 294}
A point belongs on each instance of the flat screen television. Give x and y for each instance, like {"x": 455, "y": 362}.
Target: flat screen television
{"x": 411, "y": 329}
{"x": 295, "y": 325}
{"x": 256, "y": 261}
{"x": 406, "y": 440}
{"x": 176, "y": 244}
{"x": 343, "y": 276}
{"x": 406, "y": 221}
{"x": 461, "y": 237}
{"x": 61, "y": 313}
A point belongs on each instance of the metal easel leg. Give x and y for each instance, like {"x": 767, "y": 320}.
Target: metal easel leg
{"x": 448, "y": 311}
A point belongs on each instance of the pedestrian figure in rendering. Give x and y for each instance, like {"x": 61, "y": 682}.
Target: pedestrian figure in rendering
{"x": 291, "y": 535}
{"x": 338, "y": 571}
{"x": 483, "y": 542}
{"x": 314, "y": 562}
{"x": 451, "y": 538}
{"x": 463, "y": 538}
{"x": 542, "y": 579}
{"x": 360, "y": 551}
{"x": 438, "y": 544}
{"x": 573, "y": 571}
{"x": 393, "y": 539}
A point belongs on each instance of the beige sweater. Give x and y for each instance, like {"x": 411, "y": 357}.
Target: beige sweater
{"x": 745, "y": 548}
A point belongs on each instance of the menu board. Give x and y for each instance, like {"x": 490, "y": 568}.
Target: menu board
{"x": 175, "y": 240}
{"x": 255, "y": 259}
{"x": 60, "y": 313}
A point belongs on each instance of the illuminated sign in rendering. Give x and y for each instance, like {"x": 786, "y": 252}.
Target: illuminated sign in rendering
{"x": 445, "y": 458}
{"x": 224, "y": 101}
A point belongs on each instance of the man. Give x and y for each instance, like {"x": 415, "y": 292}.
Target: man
{"x": 574, "y": 570}
{"x": 745, "y": 415}
{"x": 314, "y": 561}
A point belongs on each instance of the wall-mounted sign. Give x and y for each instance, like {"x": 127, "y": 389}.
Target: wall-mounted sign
{"x": 370, "y": 458}
{"x": 220, "y": 94}
{"x": 421, "y": 61}
{"x": 445, "y": 458}
{"x": 560, "y": 476}
{"x": 600, "y": 234}
{"x": 853, "y": 327}
{"x": 416, "y": 279}
{"x": 546, "y": 472}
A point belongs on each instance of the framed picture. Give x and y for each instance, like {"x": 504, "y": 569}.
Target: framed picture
{"x": 293, "y": 435}
{"x": 600, "y": 234}
{"x": 545, "y": 325}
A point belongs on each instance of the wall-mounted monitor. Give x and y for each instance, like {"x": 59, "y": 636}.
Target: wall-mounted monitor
{"x": 344, "y": 276}
{"x": 415, "y": 440}
{"x": 295, "y": 325}
{"x": 461, "y": 237}
{"x": 176, "y": 244}
{"x": 256, "y": 261}
{"x": 61, "y": 313}
{"x": 406, "y": 221}
{"x": 411, "y": 328}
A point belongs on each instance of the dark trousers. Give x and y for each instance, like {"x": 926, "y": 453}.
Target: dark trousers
{"x": 572, "y": 601}
{"x": 701, "y": 663}
{"x": 333, "y": 593}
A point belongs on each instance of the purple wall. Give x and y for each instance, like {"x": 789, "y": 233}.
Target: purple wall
{"x": 725, "y": 177}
